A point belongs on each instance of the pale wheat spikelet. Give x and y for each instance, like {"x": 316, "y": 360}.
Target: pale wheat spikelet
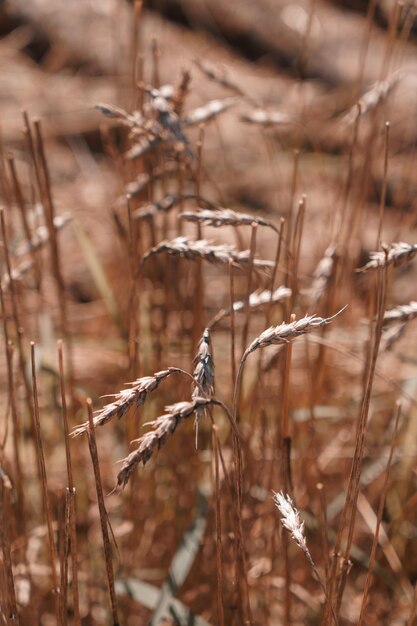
{"x": 391, "y": 335}
{"x": 372, "y": 98}
{"x": 203, "y": 375}
{"x": 224, "y": 217}
{"x": 162, "y": 427}
{"x": 209, "y": 111}
{"x": 17, "y": 273}
{"x": 41, "y": 235}
{"x": 256, "y": 299}
{"x": 396, "y": 254}
{"x": 403, "y": 313}
{"x": 290, "y": 519}
{"x": 136, "y": 395}
{"x": 202, "y": 249}
{"x": 263, "y": 117}
{"x": 164, "y": 205}
{"x": 287, "y": 331}
{"x": 322, "y": 275}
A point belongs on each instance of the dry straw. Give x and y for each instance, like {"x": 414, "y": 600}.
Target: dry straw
{"x": 224, "y": 217}
{"x": 126, "y": 398}
{"x": 202, "y": 249}
{"x": 396, "y": 254}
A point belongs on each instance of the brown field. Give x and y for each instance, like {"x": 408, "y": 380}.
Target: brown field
{"x": 208, "y": 373}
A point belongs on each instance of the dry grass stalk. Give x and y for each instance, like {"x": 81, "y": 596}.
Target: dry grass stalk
{"x": 224, "y": 217}
{"x": 44, "y": 489}
{"x": 286, "y": 332}
{"x": 216, "y": 75}
{"x": 262, "y": 117}
{"x": 208, "y": 112}
{"x": 395, "y": 254}
{"x": 8, "y": 594}
{"x": 202, "y": 249}
{"x": 163, "y": 426}
{"x": 70, "y": 520}
{"x": 203, "y": 375}
{"x": 322, "y": 275}
{"x": 126, "y": 398}
{"x": 370, "y": 573}
{"x": 16, "y": 421}
{"x": 402, "y": 313}
{"x": 104, "y": 520}
{"x": 181, "y": 91}
{"x": 41, "y": 235}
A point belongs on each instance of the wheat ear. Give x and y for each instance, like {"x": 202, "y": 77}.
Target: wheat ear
{"x": 126, "y": 398}
{"x": 395, "y": 254}
{"x": 202, "y": 249}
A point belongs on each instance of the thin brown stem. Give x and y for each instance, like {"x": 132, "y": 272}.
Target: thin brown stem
{"x": 104, "y": 521}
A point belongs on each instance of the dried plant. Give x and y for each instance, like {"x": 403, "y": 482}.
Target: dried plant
{"x": 403, "y": 313}
{"x": 256, "y": 299}
{"x": 322, "y": 275}
{"x": 126, "y": 398}
{"x": 290, "y": 519}
{"x": 165, "y": 204}
{"x": 285, "y": 332}
{"x": 181, "y": 91}
{"x": 203, "y": 375}
{"x": 202, "y": 249}
{"x": 142, "y": 182}
{"x": 263, "y": 117}
{"x": 396, "y": 254}
{"x": 204, "y": 367}
{"x": 41, "y": 235}
{"x": 223, "y": 217}
{"x": 209, "y": 111}
{"x": 372, "y": 98}
{"x": 162, "y": 427}
{"x": 17, "y": 273}
{"x": 218, "y": 76}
